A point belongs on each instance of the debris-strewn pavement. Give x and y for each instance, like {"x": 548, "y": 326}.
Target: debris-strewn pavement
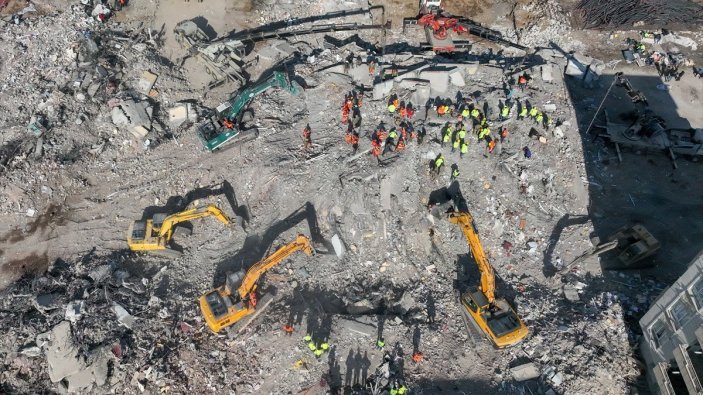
{"x": 99, "y": 119}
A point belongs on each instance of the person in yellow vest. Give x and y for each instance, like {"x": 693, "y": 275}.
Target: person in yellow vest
{"x": 483, "y": 133}
{"x": 533, "y": 112}
{"x": 539, "y": 117}
{"x": 447, "y": 136}
{"x": 523, "y": 111}
{"x": 464, "y": 148}
{"x": 439, "y": 163}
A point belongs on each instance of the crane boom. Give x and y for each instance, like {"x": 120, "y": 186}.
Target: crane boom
{"x": 465, "y": 220}
{"x": 249, "y": 282}
{"x": 169, "y": 222}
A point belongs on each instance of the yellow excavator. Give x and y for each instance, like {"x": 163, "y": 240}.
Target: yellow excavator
{"x": 228, "y": 304}
{"x": 495, "y": 317}
{"x": 155, "y": 234}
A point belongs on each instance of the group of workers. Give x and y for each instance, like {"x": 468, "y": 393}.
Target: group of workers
{"x": 313, "y": 346}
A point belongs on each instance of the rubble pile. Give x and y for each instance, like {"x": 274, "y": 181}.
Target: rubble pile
{"x": 104, "y": 120}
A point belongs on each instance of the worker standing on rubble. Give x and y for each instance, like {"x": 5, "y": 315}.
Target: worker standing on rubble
{"x": 438, "y": 163}
{"x": 503, "y": 134}
{"x": 455, "y": 172}
{"x": 401, "y": 144}
{"x": 484, "y": 134}
{"x": 390, "y": 141}
{"x": 421, "y": 135}
{"x": 403, "y": 112}
{"x": 522, "y": 81}
{"x": 410, "y": 111}
{"x": 539, "y": 117}
{"x": 393, "y": 103}
{"x": 523, "y": 111}
{"x": 354, "y": 141}
{"x": 464, "y": 148}
{"x": 447, "y": 134}
{"x": 376, "y": 148}
{"x": 288, "y": 328}
{"x": 380, "y": 343}
{"x": 533, "y": 112}
{"x": 307, "y": 137}
{"x": 505, "y": 111}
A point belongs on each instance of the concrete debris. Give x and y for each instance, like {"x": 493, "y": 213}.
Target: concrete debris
{"x": 92, "y": 142}
{"x": 123, "y": 316}
{"x": 338, "y": 246}
{"x": 525, "y": 372}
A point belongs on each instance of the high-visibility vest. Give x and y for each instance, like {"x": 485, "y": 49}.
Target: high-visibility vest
{"x": 402, "y": 390}
{"x": 505, "y": 111}
{"x": 441, "y": 110}
{"x": 522, "y": 80}
{"x": 464, "y": 147}
{"x": 457, "y": 141}
{"x": 403, "y": 112}
{"x": 439, "y": 162}
{"x": 391, "y": 108}
{"x": 307, "y": 338}
{"x": 533, "y": 111}
{"x": 475, "y": 113}
{"x": 483, "y": 133}
{"x": 523, "y": 111}
{"x": 455, "y": 173}
{"x": 393, "y": 134}
{"x": 461, "y": 134}
{"x": 312, "y": 346}
{"x": 539, "y": 117}
{"x": 380, "y": 343}
{"x": 318, "y": 353}
{"x": 393, "y": 391}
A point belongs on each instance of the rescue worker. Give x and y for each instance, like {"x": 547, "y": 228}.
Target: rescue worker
{"x": 442, "y": 110}
{"x": 403, "y": 111}
{"x": 318, "y": 352}
{"x": 307, "y": 137}
{"x": 523, "y": 111}
{"x": 401, "y": 144}
{"x": 393, "y": 103}
{"x": 418, "y": 357}
{"x": 475, "y": 114}
{"x": 533, "y": 112}
{"x": 312, "y": 346}
{"x": 455, "y": 175}
{"x": 522, "y": 82}
{"x": 410, "y": 111}
{"x": 376, "y": 148}
{"x": 462, "y": 133}
{"x": 390, "y": 141}
{"x": 503, "y": 134}
{"x": 355, "y": 141}
{"x": 411, "y": 130}
{"x": 288, "y": 329}
{"x": 491, "y": 145}
{"x": 402, "y": 390}
{"x": 527, "y": 152}
{"x": 439, "y": 163}
{"x": 539, "y": 117}
{"x": 483, "y": 133}
{"x": 307, "y": 338}
{"x": 421, "y": 135}
{"x": 464, "y": 148}
{"x": 457, "y": 142}
{"x": 356, "y": 117}
{"x": 466, "y": 112}
{"x": 447, "y": 136}
{"x": 324, "y": 346}
{"x": 380, "y": 344}
{"x": 504, "y": 112}
{"x": 547, "y": 122}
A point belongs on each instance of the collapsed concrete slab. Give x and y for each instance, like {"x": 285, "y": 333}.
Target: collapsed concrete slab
{"x": 62, "y": 355}
{"x": 135, "y": 116}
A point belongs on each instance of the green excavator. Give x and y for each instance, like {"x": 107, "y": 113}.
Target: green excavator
{"x": 228, "y": 119}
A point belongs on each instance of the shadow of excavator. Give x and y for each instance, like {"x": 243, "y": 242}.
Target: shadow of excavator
{"x": 257, "y": 245}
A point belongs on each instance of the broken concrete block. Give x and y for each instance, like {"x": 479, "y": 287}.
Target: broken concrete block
{"x": 356, "y": 327}
{"x": 457, "y": 79}
{"x": 547, "y": 73}
{"x": 139, "y": 132}
{"x": 131, "y": 113}
{"x": 413, "y": 83}
{"x": 421, "y": 95}
{"x": 360, "y": 74}
{"x": 471, "y": 68}
{"x": 62, "y": 355}
{"x": 338, "y": 246}
{"x": 439, "y": 79}
{"x": 382, "y": 89}
{"x": 339, "y": 78}
{"x": 575, "y": 69}
{"x": 549, "y": 107}
{"x": 74, "y": 310}
{"x": 525, "y": 372}
{"x": 177, "y": 115}
{"x": 123, "y": 316}
{"x": 146, "y": 82}
{"x": 361, "y": 307}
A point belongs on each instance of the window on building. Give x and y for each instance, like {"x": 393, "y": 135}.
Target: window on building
{"x": 659, "y": 331}
{"x": 697, "y": 291}
{"x": 681, "y": 311}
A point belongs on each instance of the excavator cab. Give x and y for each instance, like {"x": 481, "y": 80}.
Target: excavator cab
{"x": 498, "y": 320}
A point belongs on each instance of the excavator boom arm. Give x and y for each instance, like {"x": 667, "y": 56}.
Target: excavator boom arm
{"x": 465, "y": 221}
{"x": 278, "y": 79}
{"x": 172, "y": 220}
{"x": 301, "y": 243}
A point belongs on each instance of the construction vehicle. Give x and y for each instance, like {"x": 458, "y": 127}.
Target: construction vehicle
{"x": 493, "y": 316}
{"x": 227, "y": 121}
{"x": 155, "y": 234}
{"x": 223, "y": 57}
{"x": 437, "y": 24}
{"x": 648, "y": 131}
{"x": 630, "y": 245}
{"x": 228, "y": 304}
